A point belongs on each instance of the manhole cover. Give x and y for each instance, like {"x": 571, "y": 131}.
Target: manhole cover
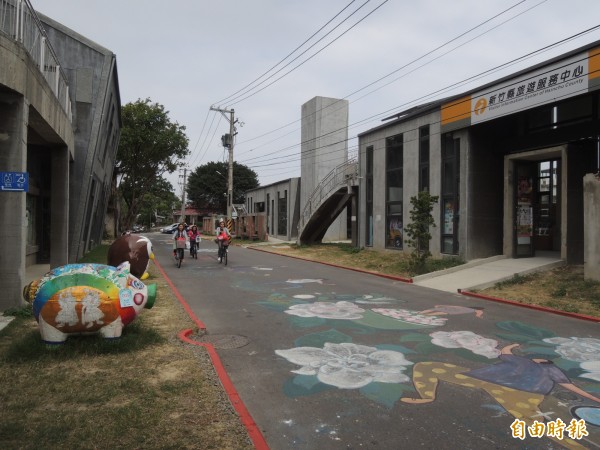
{"x": 224, "y": 340}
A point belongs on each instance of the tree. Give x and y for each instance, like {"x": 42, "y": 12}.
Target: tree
{"x": 418, "y": 230}
{"x": 150, "y": 145}
{"x": 207, "y": 185}
{"x": 161, "y": 200}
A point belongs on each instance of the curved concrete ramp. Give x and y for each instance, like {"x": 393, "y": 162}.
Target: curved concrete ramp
{"x": 324, "y": 216}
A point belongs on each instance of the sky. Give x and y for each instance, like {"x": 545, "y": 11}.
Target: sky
{"x": 265, "y": 58}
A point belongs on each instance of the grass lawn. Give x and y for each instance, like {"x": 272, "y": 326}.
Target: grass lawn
{"x": 145, "y": 390}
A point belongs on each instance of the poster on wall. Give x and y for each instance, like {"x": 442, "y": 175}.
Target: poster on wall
{"x": 395, "y": 232}
{"x": 449, "y": 217}
{"x": 524, "y": 223}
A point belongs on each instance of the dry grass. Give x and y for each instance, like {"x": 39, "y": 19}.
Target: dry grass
{"x": 148, "y": 390}
{"x": 389, "y": 262}
{"x": 563, "y": 288}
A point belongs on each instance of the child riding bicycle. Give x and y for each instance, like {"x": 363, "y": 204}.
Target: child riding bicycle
{"x": 223, "y": 238}
{"x": 179, "y": 241}
{"x": 195, "y": 239}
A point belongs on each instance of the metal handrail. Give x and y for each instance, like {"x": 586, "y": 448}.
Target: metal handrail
{"x": 338, "y": 177}
{"x": 19, "y": 21}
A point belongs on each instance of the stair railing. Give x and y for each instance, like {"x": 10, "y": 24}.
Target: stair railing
{"x": 340, "y": 176}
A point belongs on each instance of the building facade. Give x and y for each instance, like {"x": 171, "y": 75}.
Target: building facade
{"x": 280, "y": 204}
{"x": 507, "y": 161}
{"x": 59, "y": 129}
{"x": 324, "y": 147}
{"x": 91, "y": 71}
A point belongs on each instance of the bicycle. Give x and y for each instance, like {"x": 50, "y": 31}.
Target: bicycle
{"x": 180, "y": 247}
{"x": 223, "y": 249}
{"x": 194, "y": 247}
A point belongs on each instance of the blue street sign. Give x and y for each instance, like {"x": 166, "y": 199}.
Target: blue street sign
{"x": 14, "y": 181}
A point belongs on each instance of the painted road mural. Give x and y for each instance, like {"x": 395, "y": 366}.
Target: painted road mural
{"x": 345, "y": 360}
{"x": 549, "y": 384}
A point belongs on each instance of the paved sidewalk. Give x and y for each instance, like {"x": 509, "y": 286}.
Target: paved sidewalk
{"x": 483, "y": 273}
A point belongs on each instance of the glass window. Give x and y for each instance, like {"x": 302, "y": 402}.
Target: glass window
{"x": 369, "y": 198}
{"x": 394, "y": 191}
{"x": 449, "y": 195}
{"x": 424, "y": 158}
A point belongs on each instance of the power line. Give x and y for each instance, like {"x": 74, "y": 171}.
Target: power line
{"x": 449, "y": 87}
{"x": 288, "y": 55}
{"x": 307, "y": 59}
{"x": 416, "y": 60}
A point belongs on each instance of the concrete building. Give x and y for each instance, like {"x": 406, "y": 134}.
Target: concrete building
{"x": 91, "y": 72}
{"x": 507, "y": 161}
{"x": 324, "y": 147}
{"x": 280, "y": 204}
{"x": 59, "y": 129}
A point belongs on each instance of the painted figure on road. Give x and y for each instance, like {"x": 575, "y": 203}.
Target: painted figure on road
{"x": 517, "y": 383}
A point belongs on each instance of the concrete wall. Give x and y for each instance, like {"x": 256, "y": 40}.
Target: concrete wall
{"x": 273, "y": 192}
{"x": 482, "y": 215}
{"x": 92, "y": 75}
{"x": 591, "y": 230}
{"x": 30, "y": 117}
{"x": 579, "y": 162}
{"x": 324, "y": 146}
{"x": 377, "y": 139}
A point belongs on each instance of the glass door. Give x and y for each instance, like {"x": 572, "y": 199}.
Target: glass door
{"x": 547, "y": 195}
{"x": 525, "y": 197}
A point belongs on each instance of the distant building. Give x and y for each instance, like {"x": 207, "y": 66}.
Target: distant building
{"x": 280, "y": 204}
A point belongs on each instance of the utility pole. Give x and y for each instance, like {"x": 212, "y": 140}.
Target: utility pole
{"x": 229, "y": 143}
{"x": 182, "y": 218}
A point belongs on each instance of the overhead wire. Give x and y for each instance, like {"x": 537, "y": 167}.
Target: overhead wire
{"x": 288, "y": 55}
{"x": 408, "y": 131}
{"x": 309, "y": 58}
{"x": 200, "y": 136}
{"x": 412, "y": 62}
{"x": 437, "y": 92}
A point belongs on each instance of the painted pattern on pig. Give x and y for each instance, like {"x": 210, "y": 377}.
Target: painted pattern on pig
{"x": 87, "y": 298}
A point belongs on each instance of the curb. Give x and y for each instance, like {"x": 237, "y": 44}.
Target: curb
{"x": 251, "y": 427}
{"x": 460, "y": 291}
{"x": 525, "y": 305}
{"x": 381, "y": 275}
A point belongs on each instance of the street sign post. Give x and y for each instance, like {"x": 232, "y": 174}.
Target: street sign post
{"x": 14, "y": 181}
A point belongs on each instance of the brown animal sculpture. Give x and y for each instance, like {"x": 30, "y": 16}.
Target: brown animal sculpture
{"x": 135, "y": 249}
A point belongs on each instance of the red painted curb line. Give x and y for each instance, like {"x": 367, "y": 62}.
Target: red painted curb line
{"x": 382, "y": 275}
{"x": 524, "y": 305}
{"x": 253, "y": 431}
{"x": 255, "y": 435}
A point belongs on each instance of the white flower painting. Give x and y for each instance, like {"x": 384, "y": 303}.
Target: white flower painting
{"x": 468, "y": 340}
{"x": 347, "y": 365}
{"x": 585, "y": 351}
{"x": 327, "y": 310}
{"x": 408, "y": 316}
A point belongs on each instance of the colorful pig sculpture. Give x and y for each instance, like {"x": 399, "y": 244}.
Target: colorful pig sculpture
{"x": 133, "y": 248}
{"x": 85, "y": 299}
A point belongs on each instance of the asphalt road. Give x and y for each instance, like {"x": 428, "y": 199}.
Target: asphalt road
{"x": 322, "y": 356}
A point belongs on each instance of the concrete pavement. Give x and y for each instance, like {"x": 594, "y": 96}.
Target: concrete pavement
{"x": 483, "y": 273}
{"x": 478, "y": 274}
